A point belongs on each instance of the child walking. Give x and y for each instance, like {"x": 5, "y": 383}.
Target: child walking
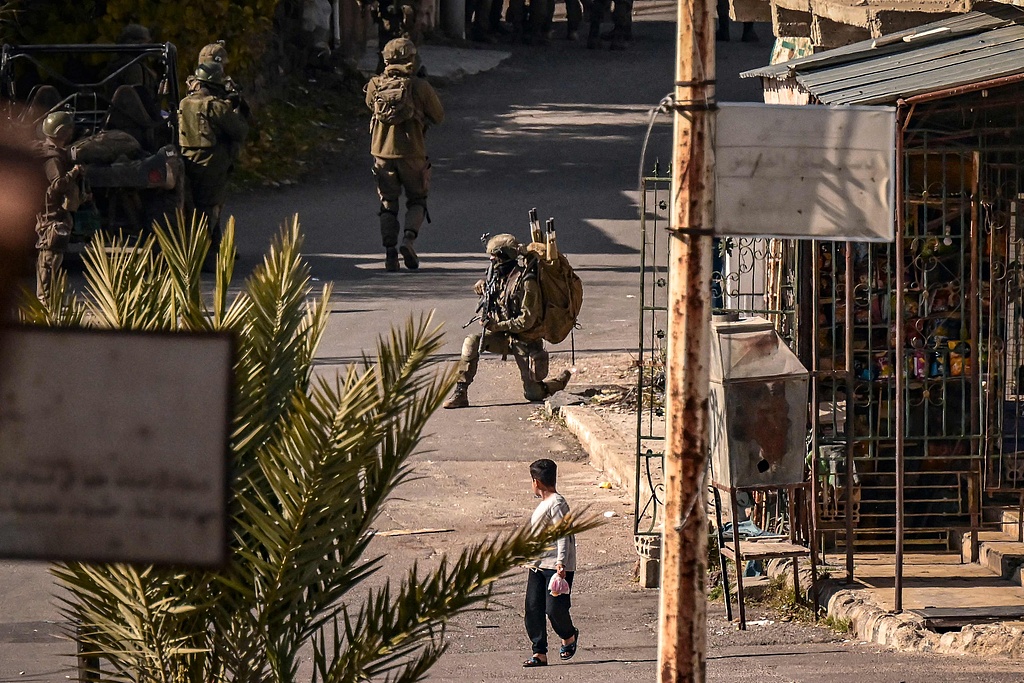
{"x": 561, "y": 560}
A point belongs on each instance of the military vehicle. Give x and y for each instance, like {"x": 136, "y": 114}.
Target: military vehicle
{"x": 124, "y": 100}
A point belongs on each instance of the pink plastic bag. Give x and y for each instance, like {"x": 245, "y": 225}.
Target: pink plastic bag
{"x": 558, "y": 586}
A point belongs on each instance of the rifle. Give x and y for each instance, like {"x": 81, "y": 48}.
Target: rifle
{"x": 488, "y": 303}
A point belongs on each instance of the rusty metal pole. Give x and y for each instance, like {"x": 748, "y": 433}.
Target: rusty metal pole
{"x": 682, "y": 627}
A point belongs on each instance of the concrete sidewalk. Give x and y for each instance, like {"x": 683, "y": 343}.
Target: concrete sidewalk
{"x": 931, "y": 581}
{"x": 444, "y": 64}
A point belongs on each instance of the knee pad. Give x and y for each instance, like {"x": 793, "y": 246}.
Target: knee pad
{"x": 471, "y": 347}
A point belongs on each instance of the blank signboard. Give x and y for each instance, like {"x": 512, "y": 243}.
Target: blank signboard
{"x": 805, "y": 171}
{"x": 113, "y": 446}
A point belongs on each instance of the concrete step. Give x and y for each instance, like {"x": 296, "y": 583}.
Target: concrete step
{"x": 999, "y": 552}
{"x": 1009, "y": 519}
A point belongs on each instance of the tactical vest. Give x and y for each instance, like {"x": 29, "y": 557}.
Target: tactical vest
{"x": 510, "y": 303}
{"x": 61, "y": 198}
{"x": 194, "y": 127}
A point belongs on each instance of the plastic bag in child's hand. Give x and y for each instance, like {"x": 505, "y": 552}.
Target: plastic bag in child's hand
{"x": 558, "y": 586}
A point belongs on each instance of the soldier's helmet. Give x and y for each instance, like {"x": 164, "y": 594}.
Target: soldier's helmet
{"x": 504, "y": 246}
{"x": 214, "y": 52}
{"x": 58, "y": 123}
{"x": 399, "y": 51}
{"x": 210, "y": 72}
{"x": 134, "y": 34}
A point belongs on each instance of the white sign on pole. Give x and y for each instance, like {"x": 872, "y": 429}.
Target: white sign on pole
{"x": 805, "y": 172}
{"x": 113, "y": 446}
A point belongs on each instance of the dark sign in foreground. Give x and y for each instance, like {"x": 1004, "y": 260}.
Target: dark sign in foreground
{"x": 113, "y": 446}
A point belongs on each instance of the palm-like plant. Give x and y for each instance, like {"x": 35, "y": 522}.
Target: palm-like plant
{"x": 313, "y": 462}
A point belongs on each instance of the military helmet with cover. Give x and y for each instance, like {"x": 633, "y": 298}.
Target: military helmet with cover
{"x": 399, "y": 51}
{"x": 504, "y": 246}
{"x": 58, "y": 124}
{"x": 210, "y": 72}
{"x": 134, "y": 34}
{"x": 214, "y": 52}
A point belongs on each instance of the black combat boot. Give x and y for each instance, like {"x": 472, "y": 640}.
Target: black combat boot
{"x": 459, "y": 397}
{"x": 391, "y": 260}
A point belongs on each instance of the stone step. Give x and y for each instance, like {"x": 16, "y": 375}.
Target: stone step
{"x": 1009, "y": 519}
{"x": 999, "y": 552}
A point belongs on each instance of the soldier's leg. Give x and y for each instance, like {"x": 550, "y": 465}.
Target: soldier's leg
{"x": 722, "y": 33}
{"x": 516, "y": 15}
{"x": 622, "y": 16}
{"x": 469, "y": 361}
{"x": 414, "y": 175}
{"x": 532, "y": 360}
{"x": 532, "y": 389}
{"x": 574, "y": 17}
{"x": 496, "y": 18}
{"x": 388, "y": 190}
{"x": 47, "y": 264}
{"x": 597, "y": 12}
{"x": 481, "y": 29}
{"x": 540, "y": 12}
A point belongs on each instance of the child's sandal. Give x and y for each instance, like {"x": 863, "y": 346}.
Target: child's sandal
{"x": 567, "y": 652}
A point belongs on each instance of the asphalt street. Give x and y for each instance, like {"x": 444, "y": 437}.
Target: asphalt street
{"x": 559, "y": 128}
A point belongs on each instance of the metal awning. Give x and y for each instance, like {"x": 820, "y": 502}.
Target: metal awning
{"x": 971, "y": 48}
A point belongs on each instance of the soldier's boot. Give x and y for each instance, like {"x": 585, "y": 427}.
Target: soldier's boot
{"x": 558, "y": 383}
{"x": 459, "y": 397}
{"x": 391, "y": 260}
{"x": 412, "y": 261}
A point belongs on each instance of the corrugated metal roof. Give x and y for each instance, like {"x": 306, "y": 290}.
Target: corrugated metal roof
{"x": 968, "y": 48}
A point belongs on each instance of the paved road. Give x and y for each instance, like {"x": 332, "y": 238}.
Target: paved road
{"x": 557, "y": 128}
{"x": 560, "y": 129}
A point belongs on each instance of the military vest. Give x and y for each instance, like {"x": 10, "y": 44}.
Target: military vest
{"x": 195, "y": 130}
{"x": 62, "y": 196}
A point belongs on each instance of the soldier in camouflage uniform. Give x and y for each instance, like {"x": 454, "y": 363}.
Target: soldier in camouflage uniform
{"x": 211, "y": 133}
{"x": 513, "y": 325}
{"x": 63, "y": 197}
{"x": 400, "y": 154}
{"x": 218, "y": 53}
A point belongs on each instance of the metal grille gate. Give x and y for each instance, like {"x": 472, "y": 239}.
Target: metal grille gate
{"x": 750, "y": 276}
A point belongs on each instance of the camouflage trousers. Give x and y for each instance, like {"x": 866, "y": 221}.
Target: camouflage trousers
{"x": 393, "y": 176}
{"x": 52, "y": 240}
{"x": 530, "y": 357}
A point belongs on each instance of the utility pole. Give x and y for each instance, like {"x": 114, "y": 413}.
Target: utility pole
{"x": 682, "y": 621}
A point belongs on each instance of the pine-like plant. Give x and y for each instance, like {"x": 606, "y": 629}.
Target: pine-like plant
{"x": 314, "y": 460}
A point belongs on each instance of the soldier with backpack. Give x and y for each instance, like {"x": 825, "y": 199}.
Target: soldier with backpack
{"x": 403, "y": 106}
{"x": 527, "y": 298}
{"x": 211, "y": 133}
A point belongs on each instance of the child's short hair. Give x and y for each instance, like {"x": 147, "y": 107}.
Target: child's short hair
{"x": 545, "y": 471}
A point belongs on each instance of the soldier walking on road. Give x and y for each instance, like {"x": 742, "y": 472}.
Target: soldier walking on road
{"x": 403, "y": 106}
{"x": 63, "y": 197}
{"x": 512, "y": 320}
{"x": 212, "y": 131}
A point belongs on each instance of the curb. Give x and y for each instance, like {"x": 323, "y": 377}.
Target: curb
{"x": 612, "y": 454}
{"x": 602, "y": 442}
{"x": 905, "y": 632}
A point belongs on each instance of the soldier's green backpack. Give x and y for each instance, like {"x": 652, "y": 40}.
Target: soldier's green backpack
{"x": 393, "y": 102}
{"x": 561, "y": 291}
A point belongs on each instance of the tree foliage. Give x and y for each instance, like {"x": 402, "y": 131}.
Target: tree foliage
{"x": 313, "y": 461}
{"x": 244, "y": 25}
